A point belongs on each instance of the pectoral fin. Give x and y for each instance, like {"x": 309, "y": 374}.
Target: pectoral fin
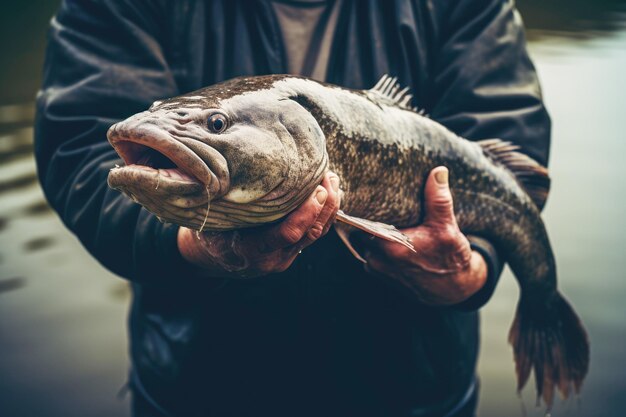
{"x": 343, "y": 231}
{"x": 381, "y": 230}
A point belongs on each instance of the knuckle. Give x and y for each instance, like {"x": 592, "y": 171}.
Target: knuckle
{"x": 451, "y": 231}
{"x": 448, "y": 241}
{"x": 330, "y": 207}
{"x": 442, "y": 203}
{"x": 333, "y": 204}
{"x": 452, "y": 239}
{"x": 316, "y": 231}
{"x": 333, "y": 199}
{"x": 291, "y": 234}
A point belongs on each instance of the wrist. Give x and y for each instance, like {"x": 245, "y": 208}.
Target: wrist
{"x": 477, "y": 275}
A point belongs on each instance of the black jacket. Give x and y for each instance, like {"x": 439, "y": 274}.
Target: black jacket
{"x": 323, "y": 338}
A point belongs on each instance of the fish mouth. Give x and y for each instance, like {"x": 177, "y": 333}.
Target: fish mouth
{"x": 151, "y": 153}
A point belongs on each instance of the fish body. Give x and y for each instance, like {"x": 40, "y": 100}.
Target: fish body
{"x": 248, "y": 151}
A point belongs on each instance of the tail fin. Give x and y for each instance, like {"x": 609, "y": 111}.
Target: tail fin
{"x": 549, "y": 338}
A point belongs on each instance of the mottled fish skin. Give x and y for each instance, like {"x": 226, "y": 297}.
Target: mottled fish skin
{"x": 286, "y": 131}
{"x": 383, "y": 153}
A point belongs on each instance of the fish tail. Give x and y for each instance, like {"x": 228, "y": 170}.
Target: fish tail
{"x": 549, "y": 339}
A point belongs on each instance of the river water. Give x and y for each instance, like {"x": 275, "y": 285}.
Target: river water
{"x": 62, "y": 315}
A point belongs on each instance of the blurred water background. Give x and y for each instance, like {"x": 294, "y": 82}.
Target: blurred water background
{"x": 62, "y": 315}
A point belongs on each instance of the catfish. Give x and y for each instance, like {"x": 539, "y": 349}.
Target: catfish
{"x": 248, "y": 151}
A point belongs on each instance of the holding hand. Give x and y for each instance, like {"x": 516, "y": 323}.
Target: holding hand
{"x": 444, "y": 270}
{"x": 267, "y": 249}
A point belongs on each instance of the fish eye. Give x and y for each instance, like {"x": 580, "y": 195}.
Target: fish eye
{"x": 217, "y": 123}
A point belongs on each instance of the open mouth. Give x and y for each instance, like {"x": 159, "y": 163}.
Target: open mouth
{"x": 155, "y": 159}
{"x": 149, "y": 147}
{"x": 137, "y": 155}
{"x": 150, "y": 151}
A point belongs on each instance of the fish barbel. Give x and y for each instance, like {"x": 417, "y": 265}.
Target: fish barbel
{"x": 248, "y": 151}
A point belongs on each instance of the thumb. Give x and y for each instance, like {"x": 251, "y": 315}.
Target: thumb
{"x": 438, "y": 199}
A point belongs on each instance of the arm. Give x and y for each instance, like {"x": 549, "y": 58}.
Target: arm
{"x": 484, "y": 86}
{"x": 103, "y": 63}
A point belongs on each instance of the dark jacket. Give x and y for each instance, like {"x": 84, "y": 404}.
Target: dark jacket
{"x": 323, "y": 338}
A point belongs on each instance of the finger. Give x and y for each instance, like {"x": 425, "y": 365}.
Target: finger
{"x": 335, "y": 185}
{"x": 293, "y": 228}
{"x": 377, "y": 262}
{"x": 327, "y": 214}
{"x": 438, "y": 199}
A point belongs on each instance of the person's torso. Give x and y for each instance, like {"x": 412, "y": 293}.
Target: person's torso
{"x": 323, "y": 338}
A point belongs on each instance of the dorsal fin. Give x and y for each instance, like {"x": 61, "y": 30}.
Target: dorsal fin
{"x": 390, "y": 92}
{"x": 531, "y": 175}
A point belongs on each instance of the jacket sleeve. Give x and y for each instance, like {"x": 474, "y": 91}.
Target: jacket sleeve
{"x": 103, "y": 63}
{"x": 485, "y": 86}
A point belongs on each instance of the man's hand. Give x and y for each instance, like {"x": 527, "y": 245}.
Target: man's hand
{"x": 267, "y": 249}
{"x": 444, "y": 270}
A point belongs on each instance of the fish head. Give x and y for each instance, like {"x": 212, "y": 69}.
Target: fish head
{"x": 233, "y": 155}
